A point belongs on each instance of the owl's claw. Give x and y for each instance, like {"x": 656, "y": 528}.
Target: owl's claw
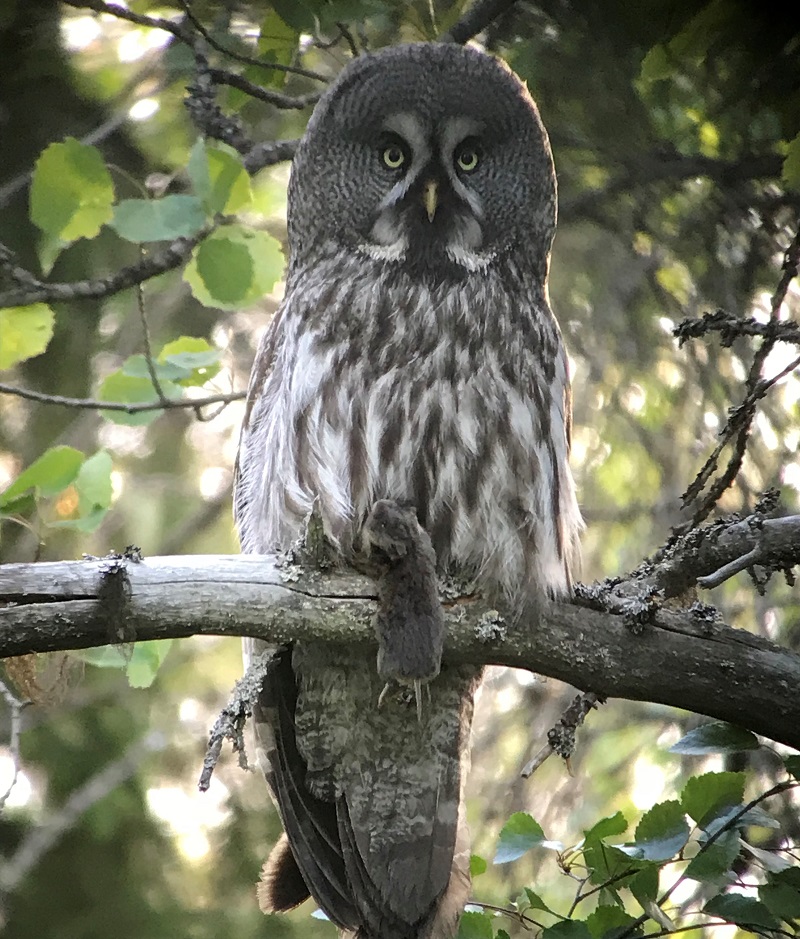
{"x": 383, "y": 694}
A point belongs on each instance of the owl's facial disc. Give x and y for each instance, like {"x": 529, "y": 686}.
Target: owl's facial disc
{"x": 429, "y": 216}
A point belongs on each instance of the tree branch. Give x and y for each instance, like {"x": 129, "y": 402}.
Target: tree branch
{"x": 676, "y": 658}
{"x": 480, "y": 15}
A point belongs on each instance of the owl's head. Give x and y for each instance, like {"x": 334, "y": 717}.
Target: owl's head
{"x": 431, "y": 156}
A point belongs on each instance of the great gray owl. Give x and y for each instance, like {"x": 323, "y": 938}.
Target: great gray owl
{"x": 414, "y": 358}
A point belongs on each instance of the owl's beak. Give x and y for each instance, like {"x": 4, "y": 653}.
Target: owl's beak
{"x": 430, "y": 197}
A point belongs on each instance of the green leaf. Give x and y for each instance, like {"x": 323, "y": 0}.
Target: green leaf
{"x": 135, "y": 366}
{"x": 93, "y": 485}
{"x": 743, "y": 911}
{"x": 234, "y": 267}
{"x": 790, "y": 173}
{"x": 25, "y": 331}
{"x": 725, "y": 819}
{"x": 781, "y": 899}
{"x": 55, "y": 469}
{"x": 656, "y": 65}
{"x": 145, "y": 662}
{"x": 792, "y": 764}
{"x": 105, "y": 656}
{"x": 704, "y": 796}
{"x": 715, "y": 737}
{"x": 606, "y": 828}
{"x": 195, "y": 355}
{"x": 644, "y": 885}
{"x": 475, "y": 925}
{"x": 607, "y": 862}
{"x": 219, "y": 179}
{"x": 129, "y": 390}
{"x": 296, "y": 14}
{"x": 661, "y": 833}
{"x": 714, "y": 862}
{"x": 533, "y": 901}
{"x": 164, "y": 219}
{"x": 477, "y": 865}
{"x": 567, "y": 929}
{"x": 606, "y": 922}
{"x": 71, "y": 192}
{"x": 278, "y": 42}
{"x": 519, "y": 834}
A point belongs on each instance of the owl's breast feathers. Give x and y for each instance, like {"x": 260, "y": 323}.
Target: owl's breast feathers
{"x": 453, "y": 397}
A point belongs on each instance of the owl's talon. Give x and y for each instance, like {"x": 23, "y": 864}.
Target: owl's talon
{"x": 383, "y": 694}
{"x": 418, "y": 698}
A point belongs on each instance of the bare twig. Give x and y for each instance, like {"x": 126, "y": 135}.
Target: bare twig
{"x": 275, "y": 98}
{"x": 232, "y": 719}
{"x": 561, "y": 737}
{"x": 740, "y": 420}
{"x": 732, "y": 327}
{"x": 94, "y": 404}
{"x": 15, "y": 706}
{"x": 148, "y": 350}
{"x": 245, "y": 59}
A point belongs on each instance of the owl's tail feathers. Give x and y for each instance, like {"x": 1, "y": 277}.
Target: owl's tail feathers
{"x": 281, "y": 886}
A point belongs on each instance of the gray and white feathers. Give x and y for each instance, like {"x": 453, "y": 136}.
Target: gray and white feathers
{"x": 414, "y": 358}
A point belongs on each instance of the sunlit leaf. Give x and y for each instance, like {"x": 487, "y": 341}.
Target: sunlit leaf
{"x": 126, "y": 389}
{"x": 173, "y": 216}
{"x": 477, "y": 865}
{"x": 25, "y": 331}
{"x": 93, "y": 485}
{"x": 195, "y": 356}
{"x": 277, "y": 42}
{"x": 136, "y": 366}
{"x": 790, "y": 173}
{"x": 234, "y": 267}
{"x": 475, "y": 925}
{"x": 71, "y": 191}
{"x": 519, "y": 834}
{"x": 607, "y": 827}
{"x": 55, "y": 469}
{"x": 644, "y": 885}
{"x": 661, "y": 833}
{"x": 145, "y": 662}
{"x": 703, "y": 796}
{"x": 218, "y": 177}
{"x": 715, "y": 737}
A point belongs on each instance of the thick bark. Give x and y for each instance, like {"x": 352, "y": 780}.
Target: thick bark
{"x": 686, "y": 659}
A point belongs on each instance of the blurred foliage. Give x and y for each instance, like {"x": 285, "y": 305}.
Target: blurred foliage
{"x": 675, "y": 128}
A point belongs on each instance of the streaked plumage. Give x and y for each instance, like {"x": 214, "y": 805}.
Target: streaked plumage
{"x": 414, "y": 358}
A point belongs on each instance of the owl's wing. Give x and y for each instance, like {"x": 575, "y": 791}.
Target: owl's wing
{"x": 310, "y": 823}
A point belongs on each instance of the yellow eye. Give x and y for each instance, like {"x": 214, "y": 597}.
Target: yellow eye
{"x": 467, "y": 158}
{"x": 393, "y": 156}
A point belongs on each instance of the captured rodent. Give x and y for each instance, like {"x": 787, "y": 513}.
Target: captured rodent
{"x": 410, "y": 621}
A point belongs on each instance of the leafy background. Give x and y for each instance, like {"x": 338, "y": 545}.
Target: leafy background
{"x": 675, "y": 132}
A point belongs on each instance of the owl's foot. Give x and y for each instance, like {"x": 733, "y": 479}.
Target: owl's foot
{"x": 383, "y": 694}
